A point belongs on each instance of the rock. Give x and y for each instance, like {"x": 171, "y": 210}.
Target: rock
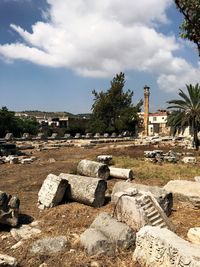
{"x": 7, "y": 261}
{"x": 119, "y": 233}
{"x": 191, "y": 160}
{"x": 197, "y": 179}
{"x": 194, "y": 235}
{"x": 95, "y": 242}
{"x": 105, "y": 159}
{"x": 120, "y": 173}
{"x": 9, "y": 209}
{"x": 160, "y": 247}
{"x": 51, "y": 160}
{"x": 93, "y": 169}
{"x": 17, "y": 245}
{"x": 86, "y": 190}
{"x": 9, "y": 136}
{"x": 43, "y": 265}
{"x": 49, "y": 245}
{"x": 164, "y": 198}
{"x": 52, "y": 191}
{"x": 185, "y": 191}
{"x": 139, "y": 208}
{"x": 24, "y": 232}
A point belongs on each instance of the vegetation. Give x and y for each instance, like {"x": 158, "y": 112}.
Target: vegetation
{"x": 186, "y": 111}
{"x": 10, "y": 123}
{"x": 113, "y": 110}
{"x": 190, "y": 28}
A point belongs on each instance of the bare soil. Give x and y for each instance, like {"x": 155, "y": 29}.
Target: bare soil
{"x": 71, "y": 219}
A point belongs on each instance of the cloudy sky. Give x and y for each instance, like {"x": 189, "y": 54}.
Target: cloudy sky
{"x": 53, "y": 53}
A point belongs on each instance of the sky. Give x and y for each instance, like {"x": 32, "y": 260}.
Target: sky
{"x": 53, "y": 53}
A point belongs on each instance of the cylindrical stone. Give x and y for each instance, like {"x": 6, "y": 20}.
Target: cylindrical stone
{"x": 86, "y": 190}
{"x": 121, "y": 173}
{"x": 93, "y": 169}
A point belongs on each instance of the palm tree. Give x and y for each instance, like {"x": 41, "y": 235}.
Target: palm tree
{"x": 186, "y": 111}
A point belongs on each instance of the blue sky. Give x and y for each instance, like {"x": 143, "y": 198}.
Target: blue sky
{"x": 54, "y": 53}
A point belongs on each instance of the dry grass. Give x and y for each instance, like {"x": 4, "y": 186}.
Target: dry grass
{"x": 72, "y": 219}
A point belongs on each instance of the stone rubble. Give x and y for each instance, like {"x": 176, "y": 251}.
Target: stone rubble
{"x": 193, "y": 235}
{"x": 157, "y": 247}
{"x": 187, "y": 191}
{"x": 7, "y": 261}
{"x": 9, "y": 209}
{"x": 106, "y": 235}
{"x": 164, "y": 198}
{"x": 139, "y": 208}
{"x": 93, "y": 169}
{"x": 52, "y": 191}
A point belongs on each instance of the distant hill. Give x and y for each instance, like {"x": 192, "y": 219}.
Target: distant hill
{"x": 37, "y": 113}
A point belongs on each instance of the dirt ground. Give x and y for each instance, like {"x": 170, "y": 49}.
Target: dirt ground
{"x": 71, "y": 219}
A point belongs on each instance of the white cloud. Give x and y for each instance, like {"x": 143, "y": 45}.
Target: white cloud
{"x": 99, "y": 38}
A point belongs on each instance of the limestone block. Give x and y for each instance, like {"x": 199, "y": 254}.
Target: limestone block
{"x": 24, "y": 232}
{"x": 119, "y": 233}
{"x": 86, "y": 190}
{"x": 105, "y": 159}
{"x": 185, "y": 191}
{"x": 7, "y": 261}
{"x": 121, "y": 173}
{"x": 52, "y": 191}
{"x": 9, "y": 136}
{"x": 95, "y": 242}
{"x": 164, "y": 198}
{"x": 197, "y": 179}
{"x": 49, "y": 245}
{"x": 93, "y": 169}
{"x": 77, "y": 136}
{"x": 194, "y": 235}
{"x": 139, "y": 208}
{"x": 160, "y": 247}
{"x": 191, "y": 160}
{"x": 9, "y": 209}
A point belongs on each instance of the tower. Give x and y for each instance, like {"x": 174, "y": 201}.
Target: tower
{"x": 146, "y": 110}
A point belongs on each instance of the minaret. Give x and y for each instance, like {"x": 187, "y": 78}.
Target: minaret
{"x": 146, "y": 110}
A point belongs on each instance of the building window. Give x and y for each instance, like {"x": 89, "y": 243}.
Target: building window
{"x": 154, "y": 119}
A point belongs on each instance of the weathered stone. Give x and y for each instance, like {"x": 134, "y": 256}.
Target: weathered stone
{"x": 25, "y": 136}
{"x": 24, "y": 232}
{"x": 121, "y": 173}
{"x": 95, "y": 242}
{"x": 9, "y": 136}
{"x": 119, "y": 233}
{"x": 9, "y": 209}
{"x": 86, "y": 190}
{"x": 185, "y": 191}
{"x": 197, "y": 179}
{"x": 105, "y": 159}
{"x": 139, "y": 208}
{"x": 164, "y": 198}
{"x": 191, "y": 160}
{"x": 77, "y": 136}
{"x": 156, "y": 247}
{"x": 49, "y": 245}
{"x": 113, "y": 135}
{"x": 7, "y": 261}
{"x": 67, "y": 136}
{"x": 93, "y": 169}
{"x": 194, "y": 235}
{"x": 97, "y": 135}
{"x": 52, "y": 191}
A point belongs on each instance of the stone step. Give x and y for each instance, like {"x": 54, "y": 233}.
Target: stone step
{"x": 158, "y": 222}
{"x": 151, "y": 214}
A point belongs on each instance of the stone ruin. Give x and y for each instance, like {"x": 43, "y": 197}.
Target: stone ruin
{"x": 68, "y": 187}
{"x": 163, "y": 197}
{"x": 186, "y": 191}
{"x": 9, "y": 209}
{"x": 156, "y": 247}
{"x": 106, "y": 235}
{"x": 158, "y": 156}
{"x": 138, "y": 208}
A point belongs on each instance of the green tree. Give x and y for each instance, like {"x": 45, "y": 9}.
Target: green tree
{"x": 190, "y": 28}
{"x": 186, "y": 111}
{"x": 113, "y": 110}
